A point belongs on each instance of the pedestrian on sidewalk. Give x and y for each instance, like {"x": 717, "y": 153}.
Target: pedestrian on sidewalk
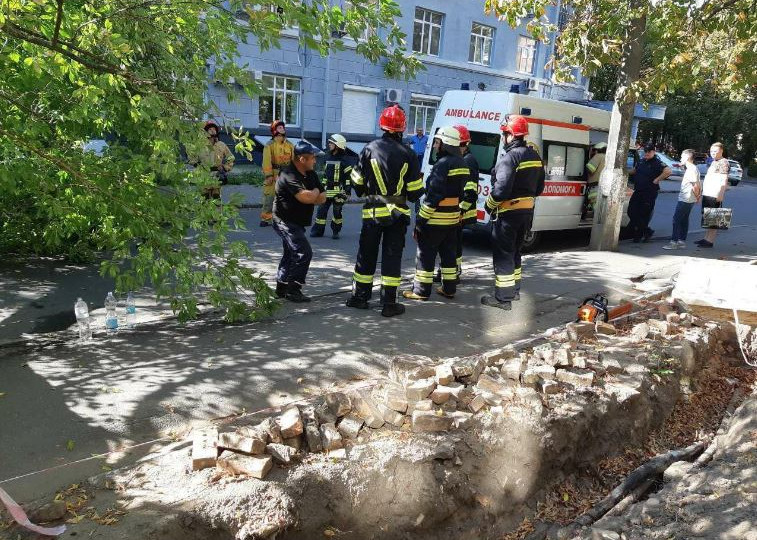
{"x": 298, "y": 190}
{"x": 277, "y": 154}
{"x": 647, "y": 176}
{"x": 419, "y": 142}
{"x": 713, "y": 189}
{"x": 517, "y": 179}
{"x": 690, "y": 193}
{"x": 387, "y": 175}
{"x": 339, "y": 166}
{"x": 438, "y": 222}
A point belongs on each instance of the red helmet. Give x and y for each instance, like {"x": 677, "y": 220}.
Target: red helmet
{"x": 209, "y": 124}
{"x": 393, "y": 119}
{"x": 516, "y": 125}
{"x": 464, "y": 133}
{"x": 275, "y": 124}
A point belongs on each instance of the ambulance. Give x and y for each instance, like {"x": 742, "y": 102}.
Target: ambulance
{"x": 561, "y": 132}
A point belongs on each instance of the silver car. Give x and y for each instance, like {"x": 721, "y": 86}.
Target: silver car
{"x": 734, "y": 173}
{"x": 674, "y": 165}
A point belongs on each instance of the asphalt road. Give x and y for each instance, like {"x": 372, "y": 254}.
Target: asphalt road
{"x": 62, "y": 403}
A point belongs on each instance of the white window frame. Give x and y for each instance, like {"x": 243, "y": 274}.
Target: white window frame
{"x": 526, "y": 53}
{"x": 425, "y": 104}
{"x": 480, "y": 41}
{"x": 427, "y": 29}
{"x": 279, "y": 84}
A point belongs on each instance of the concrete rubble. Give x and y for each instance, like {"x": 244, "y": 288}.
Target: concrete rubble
{"x": 485, "y": 433}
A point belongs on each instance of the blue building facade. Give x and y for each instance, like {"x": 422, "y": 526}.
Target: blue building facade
{"x": 455, "y": 40}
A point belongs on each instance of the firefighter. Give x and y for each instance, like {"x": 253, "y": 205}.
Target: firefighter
{"x": 594, "y": 169}
{"x": 217, "y": 158}
{"x": 387, "y": 175}
{"x": 337, "y": 179}
{"x": 469, "y": 213}
{"x": 298, "y": 190}
{"x": 437, "y": 224}
{"x": 517, "y": 179}
{"x": 277, "y": 154}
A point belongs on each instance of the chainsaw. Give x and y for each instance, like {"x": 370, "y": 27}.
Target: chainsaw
{"x": 596, "y": 308}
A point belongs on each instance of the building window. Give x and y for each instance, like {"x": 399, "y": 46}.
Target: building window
{"x": 481, "y": 38}
{"x": 526, "y": 54}
{"x": 281, "y": 100}
{"x": 427, "y": 31}
{"x": 422, "y": 114}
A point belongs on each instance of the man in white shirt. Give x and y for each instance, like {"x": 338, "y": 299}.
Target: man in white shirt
{"x": 690, "y": 193}
{"x": 713, "y": 188}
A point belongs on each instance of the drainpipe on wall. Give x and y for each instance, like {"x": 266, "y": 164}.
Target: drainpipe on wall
{"x": 326, "y": 93}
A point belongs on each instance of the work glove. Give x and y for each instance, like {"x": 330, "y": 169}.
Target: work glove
{"x": 340, "y": 198}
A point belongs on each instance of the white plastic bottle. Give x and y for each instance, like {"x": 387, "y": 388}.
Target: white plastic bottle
{"x": 83, "y": 321}
{"x": 131, "y": 311}
{"x": 111, "y": 318}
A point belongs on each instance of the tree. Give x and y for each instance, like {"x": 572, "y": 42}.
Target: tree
{"x": 135, "y": 72}
{"x": 679, "y": 44}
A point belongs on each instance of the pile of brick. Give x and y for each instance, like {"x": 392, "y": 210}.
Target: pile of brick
{"x": 424, "y": 395}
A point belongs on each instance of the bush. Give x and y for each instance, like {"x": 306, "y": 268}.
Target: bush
{"x": 752, "y": 170}
{"x": 252, "y": 175}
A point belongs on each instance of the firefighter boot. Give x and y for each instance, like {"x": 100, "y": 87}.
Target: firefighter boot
{"x": 357, "y": 303}
{"x": 294, "y": 293}
{"x": 390, "y": 310}
{"x": 493, "y": 302}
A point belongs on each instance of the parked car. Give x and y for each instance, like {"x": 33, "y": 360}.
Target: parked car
{"x": 735, "y": 173}
{"x": 674, "y": 165}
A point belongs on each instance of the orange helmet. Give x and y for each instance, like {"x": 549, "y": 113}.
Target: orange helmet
{"x": 516, "y": 125}
{"x": 393, "y": 119}
{"x": 464, "y": 133}
{"x": 275, "y": 124}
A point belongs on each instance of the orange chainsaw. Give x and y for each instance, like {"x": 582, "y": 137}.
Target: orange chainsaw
{"x": 596, "y": 308}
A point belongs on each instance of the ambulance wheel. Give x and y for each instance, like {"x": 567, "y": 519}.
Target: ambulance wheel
{"x": 530, "y": 241}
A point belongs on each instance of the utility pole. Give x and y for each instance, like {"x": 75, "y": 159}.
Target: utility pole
{"x": 613, "y": 181}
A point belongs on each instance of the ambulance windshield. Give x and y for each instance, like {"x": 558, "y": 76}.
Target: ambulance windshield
{"x": 484, "y": 147}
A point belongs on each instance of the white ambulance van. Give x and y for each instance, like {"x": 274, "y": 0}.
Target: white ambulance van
{"x": 562, "y": 133}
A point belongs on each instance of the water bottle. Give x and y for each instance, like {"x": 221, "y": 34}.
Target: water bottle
{"x": 131, "y": 311}
{"x": 83, "y": 321}
{"x": 111, "y": 318}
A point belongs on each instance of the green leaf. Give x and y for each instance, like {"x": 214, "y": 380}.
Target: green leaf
{"x": 70, "y": 445}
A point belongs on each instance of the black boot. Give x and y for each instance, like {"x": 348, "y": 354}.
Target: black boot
{"x": 390, "y": 310}
{"x": 316, "y": 231}
{"x": 294, "y": 293}
{"x": 493, "y": 302}
{"x": 281, "y": 289}
{"x": 517, "y": 295}
{"x": 357, "y": 303}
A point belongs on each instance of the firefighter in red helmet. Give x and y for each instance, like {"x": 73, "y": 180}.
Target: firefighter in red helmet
{"x": 277, "y": 154}
{"x": 517, "y": 179}
{"x": 387, "y": 175}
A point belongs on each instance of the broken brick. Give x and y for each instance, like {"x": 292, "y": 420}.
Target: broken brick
{"x": 661, "y": 327}
{"x": 331, "y": 439}
{"x": 294, "y": 442}
{"x": 290, "y": 423}
{"x": 423, "y": 405}
{"x": 281, "y": 452}
{"x": 423, "y": 421}
{"x": 313, "y": 437}
{"x": 236, "y": 442}
{"x": 579, "y": 330}
{"x": 254, "y": 466}
{"x": 441, "y": 394}
{"x": 406, "y": 369}
{"x": 532, "y": 375}
{"x": 513, "y": 368}
{"x": 271, "y": 427}
{"x": 490, "y": 384}
{"x": 640, "y": 331}
{"x": 605, "y": 329}
{"x": 339, "y": 403}
{"x": 365, "y": 407}
{"x": 420, "y": 389}
{"x": 548, "y": 387}
{"x": 499, "y": 356}
{"x": 391, "y": 416}
{"x": 204, "y": 448}
{"x": 469, "y": 368}
{"x": 476, "y": 404}
{"x": 395, "y": 399}
{"x": 350, "y": 426}
{"x": 576, "y": 377}
{"x": 444, "y": 374}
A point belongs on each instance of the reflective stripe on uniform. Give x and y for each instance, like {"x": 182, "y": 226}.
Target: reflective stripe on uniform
{"x": 426, "y": 211}
{"x": 517, "y": 274}
{"x": 465, "y": 205}
{"x": 401, "y": 182}
{"x": 389, "y": 281}
{"x": 449, "y": 273}
{"x": 454, "y": 219}
{"x": 319, "y": 221}
{"x": 491, "y": 203}
{"x": 591, "y": 167}
{"x": 424, "y": 276}
{"x": 472, "y": 185}
{"x": 458, "y": 172}
{"x": 379, "y": 178}
{"x": 528, "y": 165}
{"x": 356, "y": 177}
{"x": 473, "y": 213}
{"x": 459, "y": 262}
{"x": 338, "y": 221}
{"x": 505, "y": 280}
{"x": 415, "y": 185}
{"x": 363, "y": 278}
{"x": 384, "y": 211}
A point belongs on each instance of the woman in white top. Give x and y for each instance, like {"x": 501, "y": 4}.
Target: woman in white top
{"x": 690, "y": 193}
{"x": 713, "y": 189}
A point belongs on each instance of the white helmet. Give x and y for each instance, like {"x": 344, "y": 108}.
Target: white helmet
{"x": 448, "y": 135}
{"x": 600, "y": 146}
{"x": 338, "y": 140}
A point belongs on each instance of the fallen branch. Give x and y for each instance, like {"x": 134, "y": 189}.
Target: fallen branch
{"x": 650, "y": 469}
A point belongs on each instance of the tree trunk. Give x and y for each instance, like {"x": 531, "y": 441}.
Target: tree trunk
{"x": 612, "y": 183}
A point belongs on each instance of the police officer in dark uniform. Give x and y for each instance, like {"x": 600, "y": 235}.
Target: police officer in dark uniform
{"x": 517, "y": 179}
{"x": 647, "y": 175}
{"x": 337, "y": 179}
{"x": 387, "y": 174}
{"x": 298, "y": 190}
{"x": 438, "y": 221}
